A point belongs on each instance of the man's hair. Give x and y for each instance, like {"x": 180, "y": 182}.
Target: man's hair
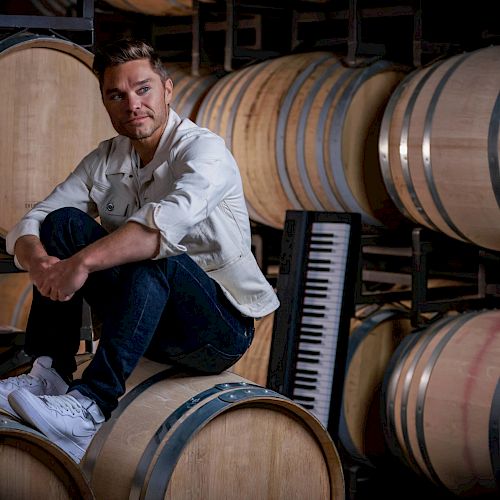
{"x": 125, "y": 50}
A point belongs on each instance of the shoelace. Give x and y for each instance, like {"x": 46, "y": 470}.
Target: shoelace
{"x": 23, "y": 380}
{"x": 65, "y": 404}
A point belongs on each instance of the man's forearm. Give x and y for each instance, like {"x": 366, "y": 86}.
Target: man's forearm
{"x": 27, "y": 249}
{"x": 130, "y": 243}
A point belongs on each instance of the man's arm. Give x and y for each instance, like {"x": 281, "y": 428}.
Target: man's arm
{"x": 60, "y": 279}
{"x": 130, "y": 243}
{"x": 30, "y": 253}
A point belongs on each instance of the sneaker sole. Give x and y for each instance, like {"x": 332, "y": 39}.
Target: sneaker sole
{"x": 5, "y": 406}
{"x": 72, "y": 449}
{"x": 9, "y": 413}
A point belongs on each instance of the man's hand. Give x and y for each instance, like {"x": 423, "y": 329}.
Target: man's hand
{"x": 38, "y": 267}
{"x": 56, "y": 279}
{"x": 62, "y": 279}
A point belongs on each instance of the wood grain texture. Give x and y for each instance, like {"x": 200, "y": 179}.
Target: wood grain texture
{"x": 372, "y": 342}
{"x": 53, "y": 118}
{"x": 32, "y": 467}
{"x": 15, "y": 299}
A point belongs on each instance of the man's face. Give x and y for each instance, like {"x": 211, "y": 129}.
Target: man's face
{"x": 136, "y": 99}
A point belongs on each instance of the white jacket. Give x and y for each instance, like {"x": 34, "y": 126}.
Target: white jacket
{"x": 191, "y": 193}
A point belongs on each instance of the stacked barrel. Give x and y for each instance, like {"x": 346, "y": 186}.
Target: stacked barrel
{"x": 440, "y": 402}
{"x": 189, "y": 90}
{"x": 439, "y": 147}
{"x": 303, "y": 129}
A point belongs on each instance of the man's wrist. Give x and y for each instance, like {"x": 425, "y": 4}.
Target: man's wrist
{"x": 83, "y": 260}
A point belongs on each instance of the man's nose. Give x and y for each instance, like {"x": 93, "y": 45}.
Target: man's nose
{"x": 134, "y": 102}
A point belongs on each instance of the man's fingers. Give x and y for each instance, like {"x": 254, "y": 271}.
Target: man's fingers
{"x": 64, "y": 297}
{"x": 44, "y": 290}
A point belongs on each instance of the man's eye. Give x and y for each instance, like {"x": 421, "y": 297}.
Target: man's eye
{"x": 115, "y": 97}
{"x": 143, "y": 90}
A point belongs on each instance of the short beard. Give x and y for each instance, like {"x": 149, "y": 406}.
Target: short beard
{"x": 139, "y": 136}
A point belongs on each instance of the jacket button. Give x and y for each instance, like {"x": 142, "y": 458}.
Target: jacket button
{"x": 110, "y": 207}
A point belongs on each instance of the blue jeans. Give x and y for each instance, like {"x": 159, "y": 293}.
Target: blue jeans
{"x": 169, "y": 310}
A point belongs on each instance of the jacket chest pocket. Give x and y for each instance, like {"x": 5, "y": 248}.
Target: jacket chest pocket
{"x": 113, "y": 208}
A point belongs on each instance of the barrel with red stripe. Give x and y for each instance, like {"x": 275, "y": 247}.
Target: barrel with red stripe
{"x": 441, "y": 402}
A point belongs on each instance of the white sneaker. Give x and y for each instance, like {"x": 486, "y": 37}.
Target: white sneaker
{"x": 69, "y": 421}
{"x": 42, "y": 379}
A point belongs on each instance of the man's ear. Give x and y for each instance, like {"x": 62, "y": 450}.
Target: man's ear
{"x": 169, "y": 90}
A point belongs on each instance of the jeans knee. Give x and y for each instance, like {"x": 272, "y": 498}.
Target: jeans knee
{"x": 66, "y": 230}
{"x": 57, "y": 220}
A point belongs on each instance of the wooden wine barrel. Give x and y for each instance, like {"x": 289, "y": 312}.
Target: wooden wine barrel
{"x": 15, "y": 303}
{"x": 15, "y": 299}
{"x": 439, "y": 148}
{"x": 303, "y": 129}
{"x": 49, "y": 130}
{"x": 439, "y": 391}
{"x": 189, "y": 90}
{"x": 372, "y": 342}
{"x": 15, "y": 295}
{"x": 155, "y": 7}
{"x": 184, "y": 437}
{"x": 254, "y": 364}
{"x": 32, "y": 467}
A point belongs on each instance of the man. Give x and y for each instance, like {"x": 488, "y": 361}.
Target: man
{"x": 169, "y": 270}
